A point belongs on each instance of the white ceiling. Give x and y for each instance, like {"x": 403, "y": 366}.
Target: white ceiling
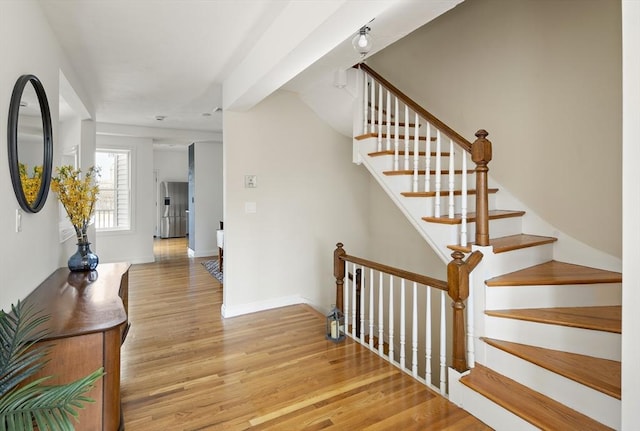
{"x": 182, "y": 59}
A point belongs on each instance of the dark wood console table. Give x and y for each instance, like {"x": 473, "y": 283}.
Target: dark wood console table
{"x": 87, "y": 326}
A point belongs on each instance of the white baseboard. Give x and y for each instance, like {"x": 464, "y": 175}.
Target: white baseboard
{"x": 202, "y": 253}
{"x": 252, "y": 307}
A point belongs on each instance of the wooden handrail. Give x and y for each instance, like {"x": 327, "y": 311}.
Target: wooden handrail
{"x": 448, "y": 131}
{"x": 407, "y": 275}
{"x": 457, "y": 287}
{"x": 480, "y": 150}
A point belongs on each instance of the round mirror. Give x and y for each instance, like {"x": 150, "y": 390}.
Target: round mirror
{"x": 30, "y": 145}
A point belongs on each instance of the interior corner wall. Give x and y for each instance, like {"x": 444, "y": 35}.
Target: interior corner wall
{"x": 544, "y": 78}
{"x": 394, "y": 241}
{"x": 207, "y": 194}
{"x": 135, "y": 245}
{"x": 309, "y": 196}
{"x": 29, "y": 256}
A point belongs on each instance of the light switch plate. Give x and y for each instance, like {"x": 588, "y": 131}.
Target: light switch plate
{"x": 250, "y": 207}
{"x": 250, "y": 181}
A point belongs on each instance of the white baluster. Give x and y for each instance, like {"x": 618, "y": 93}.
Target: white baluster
{"x": 396, "y": 136}
{"x": 389, "y": 119}
{"x": 372, "y": 106}
{"x": 365, "y": 108}
{"x": 354, "y": 298}
{"x": 416, "y": 153}
{"x": 362, "y": 309}
{"x": 427, "y": 339}
{"x": 443, "y": 343}
{"x": 471, "y": 355}
{"x": 452, "y": 179}
{"x": 438, "y": 179}
{"x": 371, "y": 312}
{"x": 407, "y": 137}
{"x": 414, "y": 332}
{"x": 391, "y": 317}
{"x": 427, "y": 168}
{"x": 380, "y": 108}
{"x": 464, "y": 202}
{"x": 403, "y": 324}
{"x": 380, "y": 315}
{"x": 346, "y": 294}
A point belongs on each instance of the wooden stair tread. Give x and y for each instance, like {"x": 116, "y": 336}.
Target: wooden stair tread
{"x": 471, "y": 217}
{"x": 598, "y": 318}
{"x": 442, "y": 193}
{"x": 554, "y": 272}
{"x": 532, "y": 406}
{"x": 402, "y": 152}
{"x": 603, "y": 375}
{"x": 509, "y": 243}
{"x": 422, "y": 172}
{"x": 384, "y": 136}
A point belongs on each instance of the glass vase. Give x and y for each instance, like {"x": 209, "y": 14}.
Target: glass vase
{"x": 83, "y": 259}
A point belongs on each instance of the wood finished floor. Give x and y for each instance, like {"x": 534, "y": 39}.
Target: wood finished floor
{"x": 184, "y": 367}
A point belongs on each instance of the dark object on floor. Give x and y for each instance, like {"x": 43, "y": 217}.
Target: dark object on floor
{"x": 212, "y": 267}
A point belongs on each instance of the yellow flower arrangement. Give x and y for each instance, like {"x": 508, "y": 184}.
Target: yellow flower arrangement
{"x": 30, "y": 184}
{"x": 78, "y": 194}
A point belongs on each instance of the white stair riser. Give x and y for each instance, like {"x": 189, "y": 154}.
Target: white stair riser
{"x": 500, "y": 227}
{"x": 599, "y": 344}
{"x": 590, "y": 402}
{"x": 515, "y": 260}
{"x": 546, "y": 296}
{"x": 490, "y": 413}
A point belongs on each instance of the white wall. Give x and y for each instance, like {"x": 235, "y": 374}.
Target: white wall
{"x": 631, "y": 215}
{"x": 27, "y": 257}
{"x": 208, "y": 198}
{"x": 171, "y": 165}
{"x": 135, "y": 245}
{"x": 544, "y": 78}
{"x": 309, "y": 197}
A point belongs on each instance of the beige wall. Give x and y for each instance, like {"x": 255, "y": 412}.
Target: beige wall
{"x": 309, "y": 197}
{"x": 544, "y": 78}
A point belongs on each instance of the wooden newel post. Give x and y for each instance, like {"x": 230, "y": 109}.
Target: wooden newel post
{"x": 481, "y": 155}
{"x": 458, "y": 272}
{"x": 338, "y": 273}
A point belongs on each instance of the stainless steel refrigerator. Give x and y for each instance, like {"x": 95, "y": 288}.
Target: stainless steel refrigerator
{"x": 173, "y": 223}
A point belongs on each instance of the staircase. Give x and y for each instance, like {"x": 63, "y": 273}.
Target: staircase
{"x": 547, "y": 334}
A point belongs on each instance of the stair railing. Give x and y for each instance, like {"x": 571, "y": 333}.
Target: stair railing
{"x": 381, "y": 308}
{"x": 423, "y": 141}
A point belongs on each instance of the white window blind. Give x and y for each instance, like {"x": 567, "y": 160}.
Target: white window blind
{"x": 113, "y": 208}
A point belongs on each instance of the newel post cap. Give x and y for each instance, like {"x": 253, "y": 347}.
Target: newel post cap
{"x": 481, "y": 152}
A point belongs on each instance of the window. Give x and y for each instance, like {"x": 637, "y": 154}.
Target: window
{"x": 113, "y": 208}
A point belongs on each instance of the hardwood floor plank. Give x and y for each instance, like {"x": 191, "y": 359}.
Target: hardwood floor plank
{"x": 184, "y": 367}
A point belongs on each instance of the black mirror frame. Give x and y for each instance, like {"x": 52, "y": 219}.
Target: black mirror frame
{"x": 12, "y": 143}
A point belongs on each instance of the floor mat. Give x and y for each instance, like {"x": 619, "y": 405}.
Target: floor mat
{"x": 214, "y": 269}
